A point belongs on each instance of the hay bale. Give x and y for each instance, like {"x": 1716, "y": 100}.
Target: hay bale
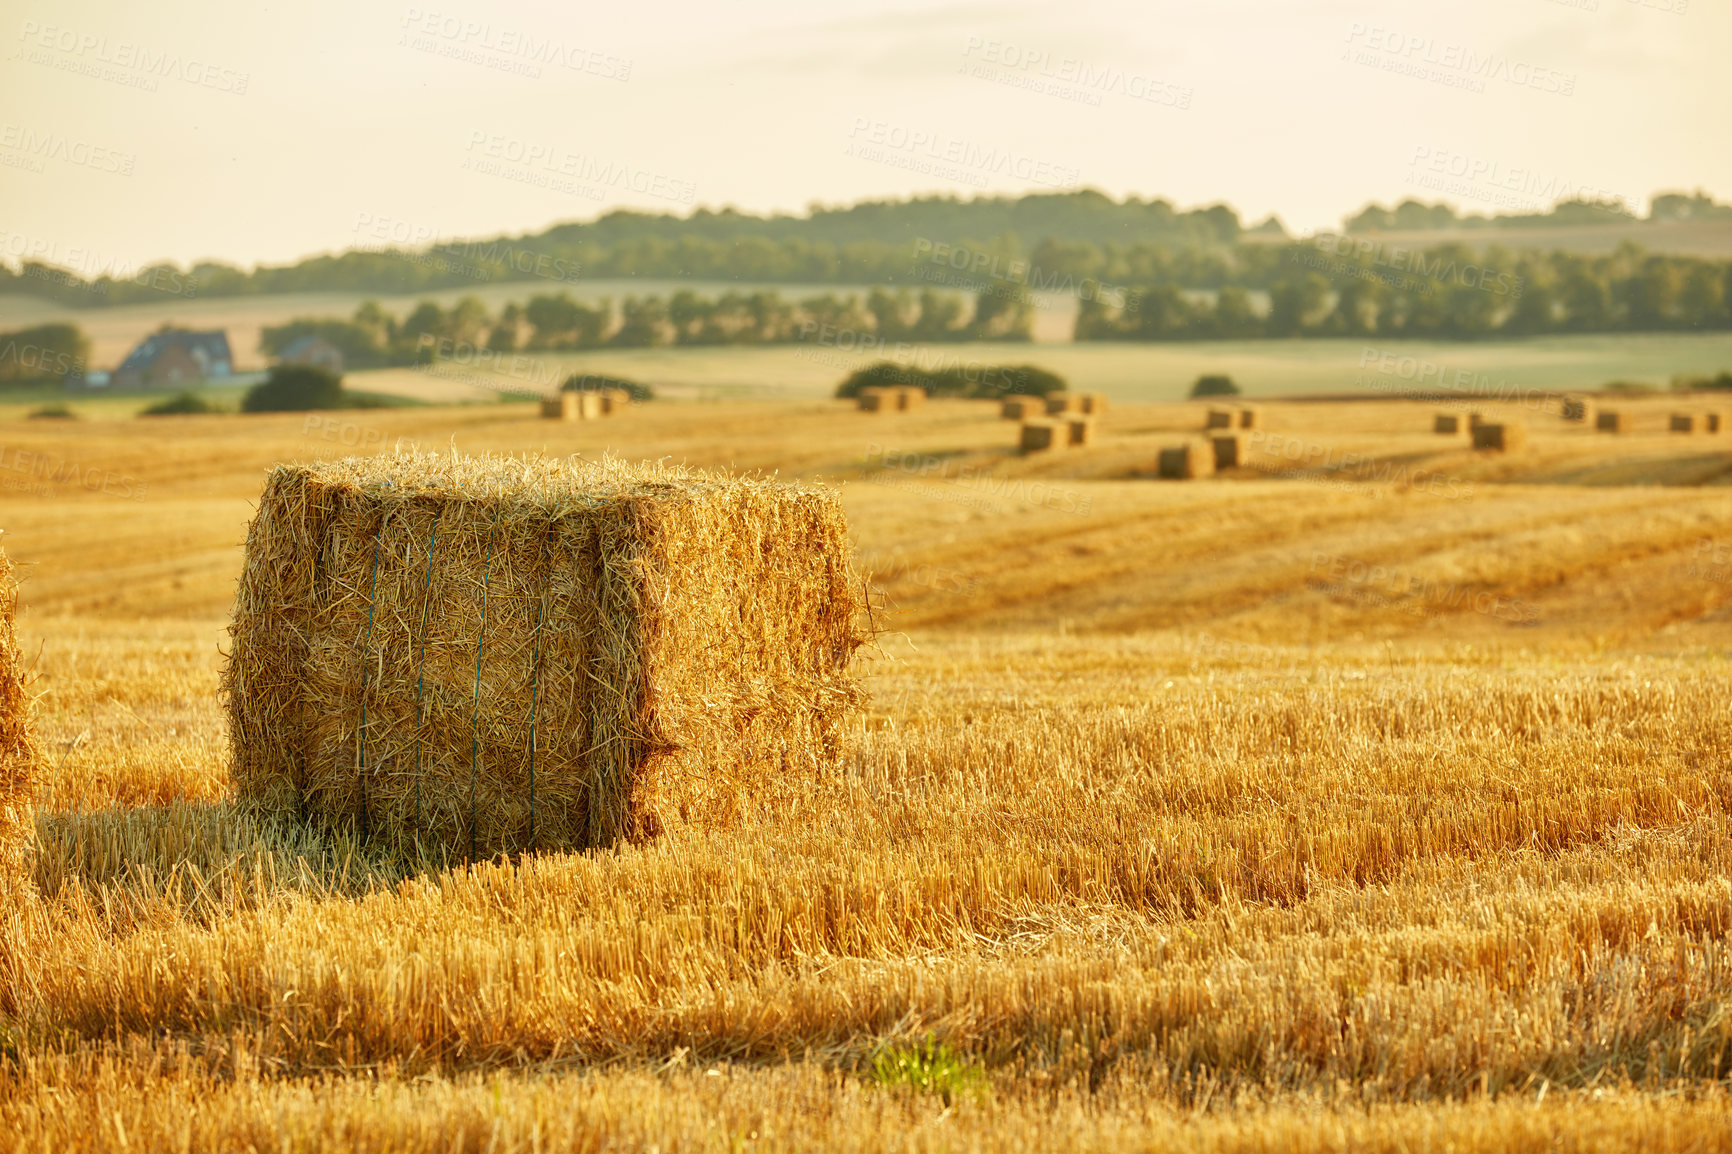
{"x": 1578, "y": 409}
{"x": 552, "y": 408}
{"x": 1447, "y": 423}
{"x": 1504, "y": 438}
{"x": 17, "y": 755}
{"x": 1683, "y": 423}
{"x": 877, "y": 399}
{"x": 1019, "y": 407}
{"x": 1229, "y": 450}
{"x": 1251, "y": 418}
{"x": 909, "y": 397}
{"x": 614, "y": 401}
{"x": 1711, "y": 422}
{"x": 1475, "y": 420}
{"x": 1185, "y": 462}
{"x": 1060, "y": 404}
{"x": 1093, "y": 404}
{"x": 572, "y": 405}
{"x": 1079, "y": 430}
{"x": 489, "y": 655}
{"x": 1612, "y": 421}
{"x": 1042, "y": 436}
{"x": 1219, "y": 419}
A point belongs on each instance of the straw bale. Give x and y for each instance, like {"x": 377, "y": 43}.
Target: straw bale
{"x": 1219, "y": 419}
{"x": 1061, "y": 404}
{"x": 909, "y": 397}
{"x": 1447, "y": 423}
{"x": 1578, "y": 409}
{"x": 1079, "y": 430}
{"x": 17, "y": 754}
{"x": 1190, "y": 460}
{"x": 877, "y": 399}
{"x": 487, "y": 655}
{"x": 1711, "y": 422}
{"x": 615, "y": 401}
{"x": 1229, "y": 450}
{"x": 572, "y": 405}
{"x": 1041, "y": 436}
{"x": 1504, "y": 438}
{"x": 1250, "y": 418}
{"x": 1612, "y": 421}
{"x": 1093, "y": 404}
{"x": 1020, "y": 407}
{"x": 1475, "y": 420}
{"x": 1683, "y": 422}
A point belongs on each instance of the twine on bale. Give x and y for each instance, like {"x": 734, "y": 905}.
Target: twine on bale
{"x": 421, "y": 674}
{"x": 535, "y": 682}
{"x": 475, "y": 717}
{"x": 366, "y": 664}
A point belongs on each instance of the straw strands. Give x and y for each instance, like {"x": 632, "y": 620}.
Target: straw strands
{"x": 17, "y": 752}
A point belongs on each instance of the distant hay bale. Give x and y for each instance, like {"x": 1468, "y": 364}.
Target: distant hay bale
{"x": 1041, "y": 436}
{"x": 1020, "y": 407}
{"x": 17, "y": 754}
{"x": 1079, "y": 431}
{"x": 1578, "y": 409}
{"x": 1711, "y": 422}
{"x": 1250, "y": 418}
{"x": 1185, "y": 462}
{"x": 877, "y": 399}
{"x": 1447, "y": 423}
{"x": 1503, "y": 438}
{"x": 1229, "y": 450}
{"x": 1219, "y": 419}
{"x": 1612, "y": 421}
{"x": 1683, "y": 423}
{"x": 1093, "y": 404}
{"x": 615, "y": 401}
{"x": 909, "y": 397}
{"x": 491, "y": 655}
{"x": 1060, "y": 404}
{"x": 571, "y": 405}
{"x": 1475, "y": 420}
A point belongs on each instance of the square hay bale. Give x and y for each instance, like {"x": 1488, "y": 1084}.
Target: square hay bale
{"x": 1578, "y": 409}
{"x": 910, "y": 397}
{"x": 17, "y": 755}
{"x": 1079, "y": 430}
{"x": 1503, "y": 438}
{"x": 1043, "y": 436}
{"x": 1185, "y": 462}
{"x": 552, "y": 408}
{"x": 1612, "y": 421}
{"x": 1219, "y": 419}
{"x": 1711, "y": 422}
{"x": 1093, "y": 404}
{"x": 1447, "y": 423}
{"x": 1475, "y": 420}
{"x": 877, "y": 399}
{"x": 572, "y": 405}
{"x": 479, "y": 656}
{"x": 1061, "y": 404}
{"x": 1683, "y": 422}
{"x": 1019, "y": 407}
{"x": 614, "y": 401}
{"x": 1250, "y": 418}
{"x": 1230, "y": 450}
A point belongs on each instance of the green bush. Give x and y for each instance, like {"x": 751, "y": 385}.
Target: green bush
{"x": 294, "y": 389}
{"x": 1214, "y": 385}
{"x": 928, "y": 1068}
{"x": 53, "y": 413}
{"x": 179, "y": 404}
{"x": 596, "y": 382}
{"x": 990, "y": 382}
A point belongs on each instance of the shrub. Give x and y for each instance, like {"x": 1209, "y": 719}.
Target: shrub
{"x": 53, "y": 413}
{"x": 294, "y": 389}
{"x": 1214, "y": 385}
{"x": 596, "y": 382}
{"x": 990, "y": 382}
{"x": 180, "y": 403}
{"x": 1628, "y": 388}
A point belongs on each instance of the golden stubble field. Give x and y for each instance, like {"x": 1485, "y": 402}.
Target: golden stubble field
{"x": 1383, "y": 805}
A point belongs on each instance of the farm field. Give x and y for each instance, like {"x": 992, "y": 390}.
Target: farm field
{"x": 1375, "y": 795}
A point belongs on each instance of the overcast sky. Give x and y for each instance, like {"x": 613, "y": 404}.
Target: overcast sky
{"x": 185, "y": 130}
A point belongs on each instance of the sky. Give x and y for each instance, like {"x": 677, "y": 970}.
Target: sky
{"x": 186, "y": 131}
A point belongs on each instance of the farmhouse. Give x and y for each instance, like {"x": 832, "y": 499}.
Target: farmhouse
{"x": 175, "y": 357}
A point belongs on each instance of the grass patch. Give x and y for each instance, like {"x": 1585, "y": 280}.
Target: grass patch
{"x": 181, "y": 404}
{"x": 929, "y": 1067}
